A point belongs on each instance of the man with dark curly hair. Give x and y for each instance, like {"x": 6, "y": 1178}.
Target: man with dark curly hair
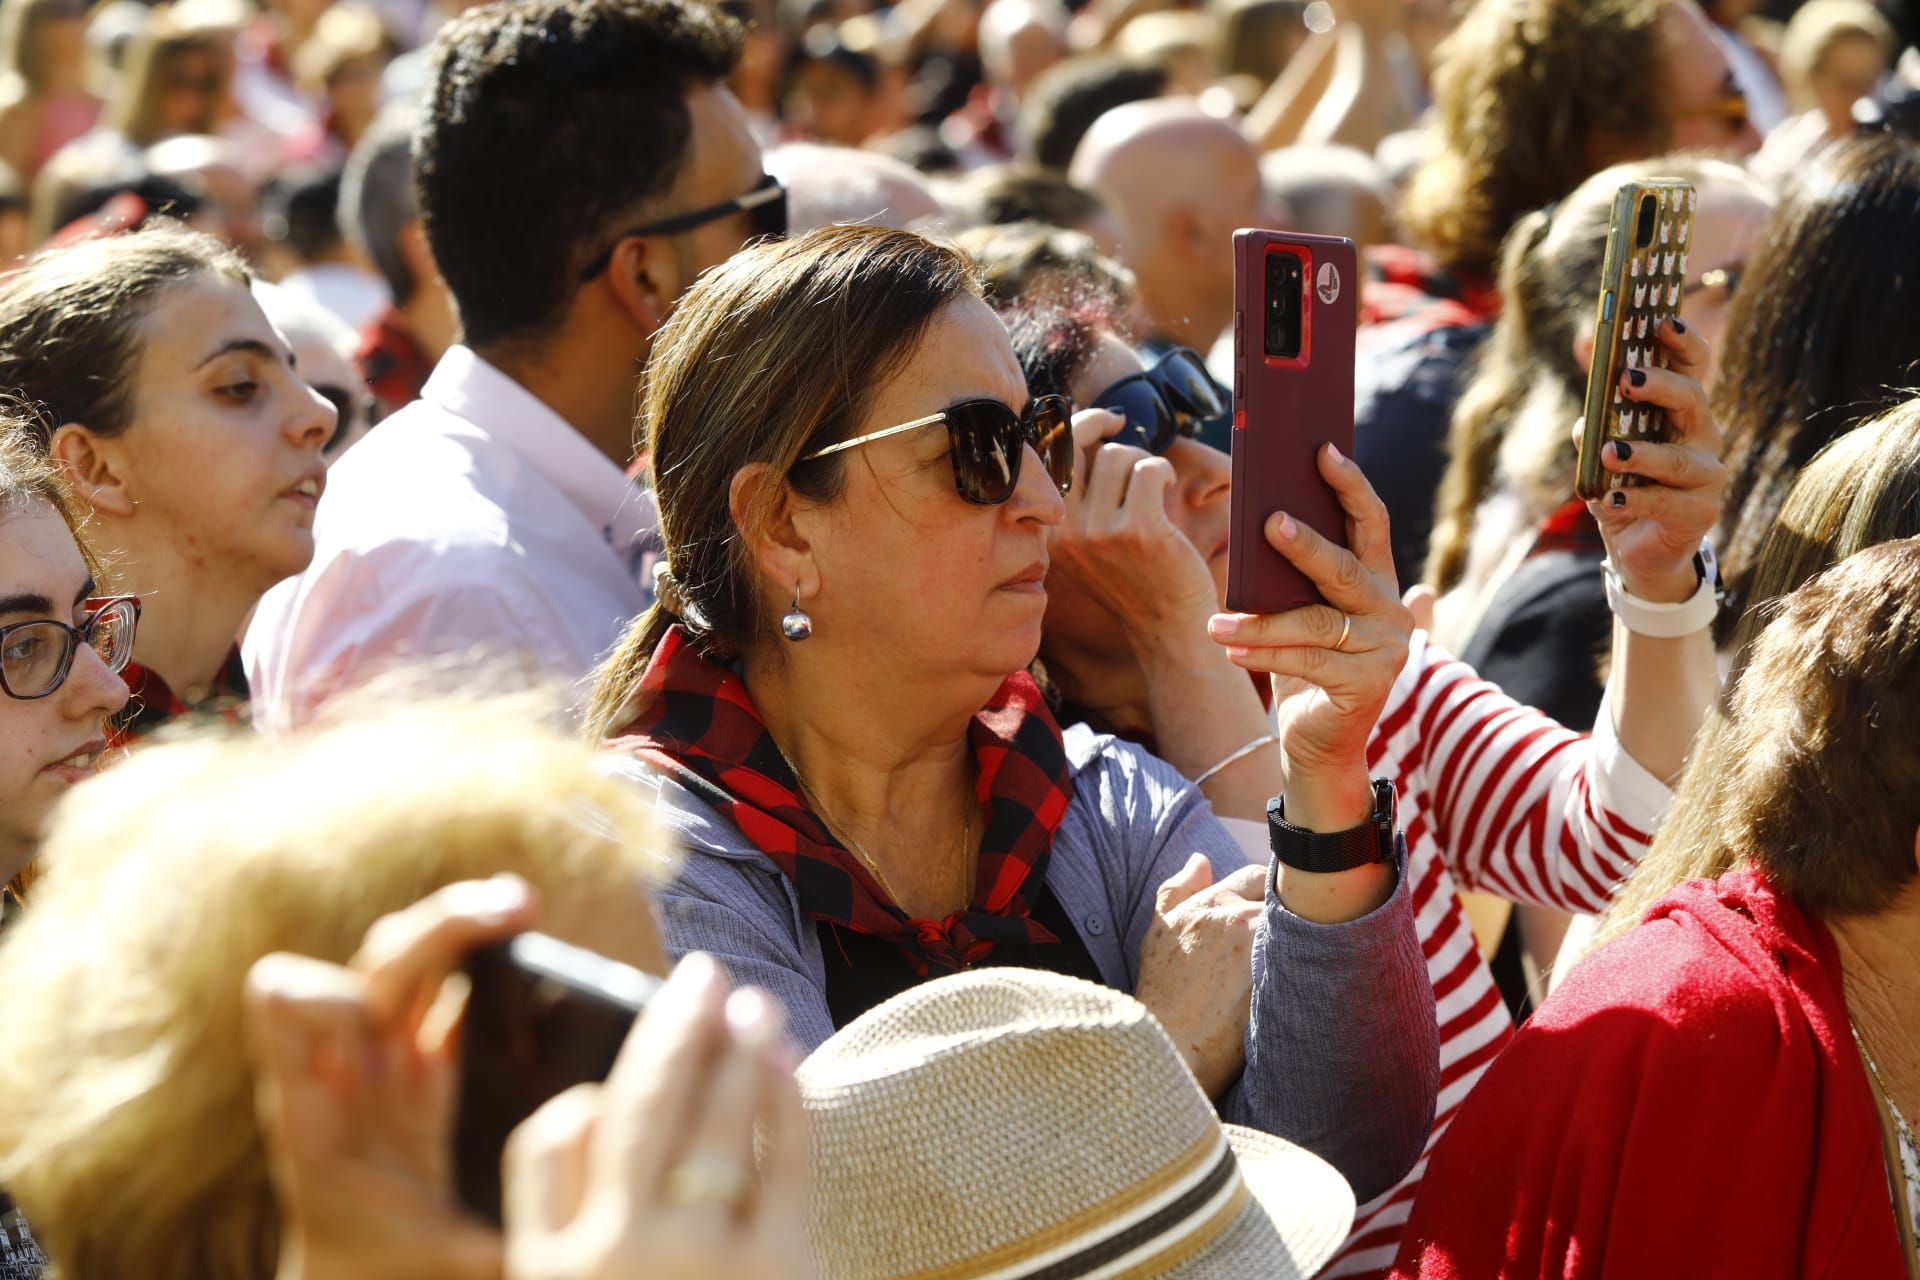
{"x": 579, "y": 163}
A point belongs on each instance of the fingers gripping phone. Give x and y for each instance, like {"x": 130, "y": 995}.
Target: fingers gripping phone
{"x": 1645, "y": 271}
{"x": 1293, "y": 329}
{"x": 542, "y": 1017}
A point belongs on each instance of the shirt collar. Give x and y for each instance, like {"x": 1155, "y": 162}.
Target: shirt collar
{"x": 513, "y": 417}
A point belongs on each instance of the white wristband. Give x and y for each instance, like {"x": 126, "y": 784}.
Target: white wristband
{"x": 1663, "y": 621}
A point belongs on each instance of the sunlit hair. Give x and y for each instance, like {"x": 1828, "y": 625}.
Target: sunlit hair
{"x": 1531, "y": 97}
{"x": 1816, "y": 29}
{"x": 72, "y": 321}
{"x": 1862, "y": 490}
{"x": 127, "y": 1125}
{"x": 769, "y": 357}
{"x": 1823, "y": 781}
{"x": 1823, "y": 334}
{"x": 134, "y": 108}
{"x": 1024, "y": 260}
{"x": 1515, "y": 415}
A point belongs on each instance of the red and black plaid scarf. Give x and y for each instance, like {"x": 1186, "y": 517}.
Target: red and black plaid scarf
{"x": 699, "y": 726}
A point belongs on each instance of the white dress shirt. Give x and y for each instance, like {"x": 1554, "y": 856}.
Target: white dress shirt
{"x": 475, "y": 534}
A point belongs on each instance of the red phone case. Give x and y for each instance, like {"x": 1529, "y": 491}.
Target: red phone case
{"x": 1284, "y": 408}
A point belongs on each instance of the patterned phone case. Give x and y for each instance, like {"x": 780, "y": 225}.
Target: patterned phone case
{"x": 1646, "y": 270}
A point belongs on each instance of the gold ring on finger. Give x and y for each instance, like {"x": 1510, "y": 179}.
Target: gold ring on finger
{"x": 708, "y": 1179}
{"x": 1346, "y": 627}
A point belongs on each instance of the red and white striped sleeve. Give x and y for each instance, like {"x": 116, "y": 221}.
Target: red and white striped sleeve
{"x": 1520, "y": 805}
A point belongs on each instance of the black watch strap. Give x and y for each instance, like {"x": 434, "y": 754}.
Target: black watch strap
{"x": 1303, "y": 850}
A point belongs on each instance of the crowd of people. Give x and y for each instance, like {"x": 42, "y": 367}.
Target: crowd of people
{"x": 746, "y": 488}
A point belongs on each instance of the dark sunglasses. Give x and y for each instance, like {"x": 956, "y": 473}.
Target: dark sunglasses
{"x": 36, "y": 656}
{"x": 766, "y": 204}
{"x": 1169, "y": 400}
{"x": 989, "y": 442}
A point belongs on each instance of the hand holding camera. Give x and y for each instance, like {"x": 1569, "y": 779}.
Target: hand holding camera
{"x": 359, "y": 1073}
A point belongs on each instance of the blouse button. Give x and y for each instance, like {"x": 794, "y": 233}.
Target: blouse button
{"x": 1096, "y": 926}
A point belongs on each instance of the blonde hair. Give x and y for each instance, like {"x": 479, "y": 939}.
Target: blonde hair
{"x": 169, "y": 34}
{"x": 1527, "y": 93}
{"x": 1527, "y": 387}
{"x": 1861, "y": 490}
{"x": 346, "y": 31}
{"x": 1815, "y": 28}
{"x": 127, "y": 1128}
{"x": 770, "y": 356}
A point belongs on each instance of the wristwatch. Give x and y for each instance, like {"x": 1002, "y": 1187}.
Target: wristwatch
{"x": 1303, "y": 850}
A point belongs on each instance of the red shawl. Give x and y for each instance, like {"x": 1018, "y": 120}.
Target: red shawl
{"x": 1690, "y": 1103}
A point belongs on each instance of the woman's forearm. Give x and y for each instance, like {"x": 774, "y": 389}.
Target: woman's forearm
{"x": 1660, "y": 691}
{"x": 1204, "y": 709}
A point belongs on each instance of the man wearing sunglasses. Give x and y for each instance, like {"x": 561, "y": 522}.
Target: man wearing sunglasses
{"x": 579, "y": 163}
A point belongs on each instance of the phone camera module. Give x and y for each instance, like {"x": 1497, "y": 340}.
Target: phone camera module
{"x": 1286, "y": 303}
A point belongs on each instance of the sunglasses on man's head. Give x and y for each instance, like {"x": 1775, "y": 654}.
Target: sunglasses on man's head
{"x": 989, "y": 441}
{"x": 766, "y": 204}
{"x": 1160, "y": 404}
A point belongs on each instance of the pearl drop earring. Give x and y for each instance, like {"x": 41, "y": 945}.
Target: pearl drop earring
{"x": 797, "y": 625}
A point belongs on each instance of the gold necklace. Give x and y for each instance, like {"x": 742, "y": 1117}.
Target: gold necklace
{"x": 866, "y": 859}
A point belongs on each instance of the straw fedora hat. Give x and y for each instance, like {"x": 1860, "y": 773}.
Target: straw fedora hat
{"x": 1008, "y": 1124}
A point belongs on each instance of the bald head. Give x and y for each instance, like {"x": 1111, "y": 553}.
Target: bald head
{"x": 830, "y": 185}
{"x": 1180, "y": 183}
{"x": 1146, "y": 156}
{"x": 1019, "y": 39}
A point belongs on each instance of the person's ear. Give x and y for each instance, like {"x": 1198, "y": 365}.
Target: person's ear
{"x": 94, "y": 469}
{"x": 1583, "y": 339}
{"x": 771, "y": 518}
{"x": 643, "y": 284}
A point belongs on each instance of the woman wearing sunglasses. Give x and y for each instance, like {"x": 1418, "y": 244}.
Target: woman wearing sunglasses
{"x": 857, "y": 496}
{"x": 1493, "y": 795}
{"x": 61, "y": 650}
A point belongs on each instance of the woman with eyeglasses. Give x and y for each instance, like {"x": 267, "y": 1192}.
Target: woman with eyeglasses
{"x": 61, "y": 647}
{"x": 857, "y": 495}
{"x": 1493, "y": 795}
{"x": 172, "y": 407}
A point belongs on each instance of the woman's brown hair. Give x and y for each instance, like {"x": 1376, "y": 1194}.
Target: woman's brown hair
{"x": 771, "y": 356}
{"x": 1823, "y": 792}
{"x": 71, "y": 321}
{"x": 1862, "y": 490}
{"x": 1531, "y": 95}
{"x": 1824, "y": 334}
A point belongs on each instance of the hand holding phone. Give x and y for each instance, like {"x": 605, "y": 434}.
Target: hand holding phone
{"x": 1295, "y": 312}
{"x": 1648, "y": 241}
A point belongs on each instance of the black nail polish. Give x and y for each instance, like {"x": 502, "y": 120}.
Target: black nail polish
{"x": 1617, "y": 499}
{"x": 1679, "y": 325}
{"x": 1638, "y": 377}
{"x": 1622, "y": 450}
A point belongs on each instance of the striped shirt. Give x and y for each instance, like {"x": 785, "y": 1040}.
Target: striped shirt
{"x": 1494, "y": 796}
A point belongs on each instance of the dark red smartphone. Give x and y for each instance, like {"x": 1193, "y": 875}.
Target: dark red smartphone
{"x": 542, "y": 1016}
{"x": 1295, "y": 312}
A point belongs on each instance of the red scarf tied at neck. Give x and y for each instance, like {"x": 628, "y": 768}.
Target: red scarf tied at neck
{"x": 699, "y": 726}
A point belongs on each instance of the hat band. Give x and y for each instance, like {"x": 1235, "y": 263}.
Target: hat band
{"x": 1156, "y": 1235}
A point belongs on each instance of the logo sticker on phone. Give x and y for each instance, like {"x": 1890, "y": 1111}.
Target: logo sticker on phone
{"x": 1329, "y": 283}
